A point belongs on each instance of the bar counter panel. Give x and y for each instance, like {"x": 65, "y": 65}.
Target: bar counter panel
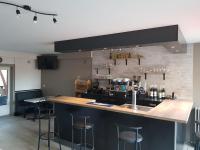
{"x": 161, "y": 125}
{"x": 157, "y": 134}
{"x": 168, "y": 110}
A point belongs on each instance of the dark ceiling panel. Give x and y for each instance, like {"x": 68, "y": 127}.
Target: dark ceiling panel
{"x": 125, "y": 39}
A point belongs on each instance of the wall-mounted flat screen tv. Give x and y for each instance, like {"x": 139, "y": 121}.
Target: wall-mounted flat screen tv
{"x": 47, "y": 62}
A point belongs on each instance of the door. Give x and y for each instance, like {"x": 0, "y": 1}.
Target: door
{"x": 4, "y": 90}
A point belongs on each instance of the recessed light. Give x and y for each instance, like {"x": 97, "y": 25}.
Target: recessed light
{"x": 54, "y": 20}
{"x": 18, "y": 12}
{"x": 35, "y": 18}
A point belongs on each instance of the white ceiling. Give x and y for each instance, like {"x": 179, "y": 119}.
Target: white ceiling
{"x": 83, "y": 18}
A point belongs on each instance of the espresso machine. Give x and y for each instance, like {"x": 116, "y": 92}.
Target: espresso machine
{"x": 120, "y": 84}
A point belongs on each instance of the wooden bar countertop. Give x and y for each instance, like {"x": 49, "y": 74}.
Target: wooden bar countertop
{"x": 168, "y": 110}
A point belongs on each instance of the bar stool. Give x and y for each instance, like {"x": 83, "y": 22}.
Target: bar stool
{"x": 82, "y": 124}
{"x": 197, "y": 134}
{"x": 129, "y": 135}
{"x": 49, "y": 115}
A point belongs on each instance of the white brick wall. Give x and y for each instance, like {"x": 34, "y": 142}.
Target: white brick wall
{"x": 179, "y": 79}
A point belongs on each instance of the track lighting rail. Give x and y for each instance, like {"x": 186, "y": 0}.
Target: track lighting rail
{"x": 28, "y": 8}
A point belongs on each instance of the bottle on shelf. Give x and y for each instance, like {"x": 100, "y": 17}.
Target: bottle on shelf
{"x": 145, "y": 86}
{"x": 129, "y": 87}
{"x": 151, "y": 92}
{"x": 163, "y": 93}
{"x": 160, "y": 94}
{"x": 155, "y": 92}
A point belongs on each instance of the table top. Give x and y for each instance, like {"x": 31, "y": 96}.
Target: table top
{"x": 35, "y": 100}
{"x": 168, "y": 110}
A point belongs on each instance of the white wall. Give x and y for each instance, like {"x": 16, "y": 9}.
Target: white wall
{"x": 196, "y": 75}
{"x": 27, "y": 76}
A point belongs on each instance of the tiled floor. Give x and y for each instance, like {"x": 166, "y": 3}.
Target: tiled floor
{"x": 186, "y": 147}
{"x": 17, "y": 133}
{"x": 189, "y": 148}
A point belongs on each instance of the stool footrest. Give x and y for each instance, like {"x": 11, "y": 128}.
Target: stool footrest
{"x": 44, "y": 136}
{"x": 90, "y": 146}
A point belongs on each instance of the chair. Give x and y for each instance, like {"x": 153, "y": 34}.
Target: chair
{"x": 50, "y": 135}
{"x": 82, "y": 124}
{"x": 197, "y": 134}
{"x": 129, "y": 135}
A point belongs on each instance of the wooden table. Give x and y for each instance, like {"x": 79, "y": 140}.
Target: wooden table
{"x": 35, "y": 102}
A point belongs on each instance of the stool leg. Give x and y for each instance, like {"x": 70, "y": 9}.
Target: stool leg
{"x": 92, "y": 138}
{"x": 72, "y": 138}
{"x": 60, "y": 144}
{"x": 124, "y": 146}
{"x": 81, "y": 139}
{"x": 140, "y": 147}
{"x": 197, "y": 146}
{"x": 85, "y": 139}
{"x": 118, "y": 144}
{"x": 49, "y": 126}
{"x": 59, "y": 137}
{"x": 136, "y": 145}
{"x": 39, "y": 134}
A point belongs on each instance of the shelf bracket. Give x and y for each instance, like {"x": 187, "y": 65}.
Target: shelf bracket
{"x": 163, "y": 76}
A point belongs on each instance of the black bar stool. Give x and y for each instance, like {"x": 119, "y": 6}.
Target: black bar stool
{"x": 48, "y": 115}
{"x": 197, "y": 134}
{"x": 129, "y": 135}
{"x": 82, "y": 124}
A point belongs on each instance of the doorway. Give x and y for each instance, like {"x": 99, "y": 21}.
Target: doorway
{"x": 5, "y": 90}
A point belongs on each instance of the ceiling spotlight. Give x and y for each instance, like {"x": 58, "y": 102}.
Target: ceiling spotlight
{"x": 29, "y": 9}
{"x": 35, "y": 18}
{"x": 18, "y": 12}
{"x": 54, "y": 20}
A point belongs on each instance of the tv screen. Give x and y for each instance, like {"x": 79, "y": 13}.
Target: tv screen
{"x": 47, "y": 62}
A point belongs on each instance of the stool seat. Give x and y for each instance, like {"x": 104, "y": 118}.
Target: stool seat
{"x": 81, "y": 125}
{"x": 130, "y": 137}
{"x": 198, "y": 135}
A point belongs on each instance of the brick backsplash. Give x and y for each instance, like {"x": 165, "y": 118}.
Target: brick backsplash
{"x": 179, "y": 78}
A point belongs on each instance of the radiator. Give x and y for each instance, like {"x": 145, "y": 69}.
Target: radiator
{"x": 197, "y": 117}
